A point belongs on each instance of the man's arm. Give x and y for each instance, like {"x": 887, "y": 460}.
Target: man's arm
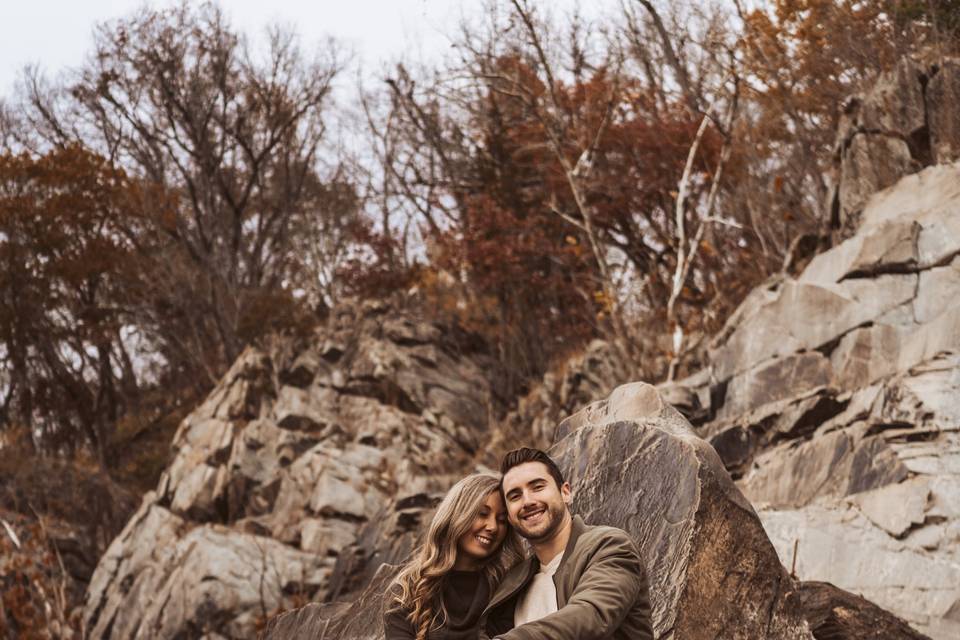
{"x": 604, "y": 595}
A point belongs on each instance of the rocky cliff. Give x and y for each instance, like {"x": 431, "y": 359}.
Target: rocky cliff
{"x": 830, "y": 401}
{"x": 307, "y": 467}
{"x": 834, "y": 397}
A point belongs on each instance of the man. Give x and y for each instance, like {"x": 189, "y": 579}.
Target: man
{"x": 583, "y": 582}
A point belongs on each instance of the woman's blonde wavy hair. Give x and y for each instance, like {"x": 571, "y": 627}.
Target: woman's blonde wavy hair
{"x": 417, "y": 588}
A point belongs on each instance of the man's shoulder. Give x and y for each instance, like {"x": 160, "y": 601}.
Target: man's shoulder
{"x": 599, "y": 540}
{"x": 595, "y": 535}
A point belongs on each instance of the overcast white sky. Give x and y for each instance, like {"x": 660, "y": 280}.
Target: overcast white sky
{"x": 57, "y": 33}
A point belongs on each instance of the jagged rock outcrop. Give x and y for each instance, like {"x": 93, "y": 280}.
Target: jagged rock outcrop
{"x": 307, "y": 467}
{"x": 905, "y": 122}
{"x": 582, "y": 378}
{"x": 834, "y": 399}
{"x": 634, "y": 462}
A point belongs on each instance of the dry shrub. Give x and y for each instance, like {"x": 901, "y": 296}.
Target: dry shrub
{"x": 38, "y": 599}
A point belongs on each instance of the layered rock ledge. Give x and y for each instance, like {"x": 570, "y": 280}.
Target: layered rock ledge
{"x": 834, "y": 399}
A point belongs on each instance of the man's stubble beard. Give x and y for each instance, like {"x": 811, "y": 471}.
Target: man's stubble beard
{"x": 554, "y": 517}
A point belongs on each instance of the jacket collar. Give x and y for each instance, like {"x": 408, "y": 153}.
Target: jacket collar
{"x": 577, "y": 527}
{"x": 520, "y": 575}
{"x": 516, "y": 579}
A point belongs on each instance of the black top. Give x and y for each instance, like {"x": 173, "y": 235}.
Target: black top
{"x": 465, "y": 594}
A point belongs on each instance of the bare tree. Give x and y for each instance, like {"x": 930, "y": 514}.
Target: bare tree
{"x": 232, "y": 137}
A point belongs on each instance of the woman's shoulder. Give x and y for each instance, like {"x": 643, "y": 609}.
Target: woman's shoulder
{"x": 396, "y": 623}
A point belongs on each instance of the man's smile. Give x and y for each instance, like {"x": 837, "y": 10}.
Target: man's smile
{"x": 533, "y": 516}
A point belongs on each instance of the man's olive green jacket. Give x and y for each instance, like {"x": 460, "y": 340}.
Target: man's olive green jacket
{"x": 602, "y": 592}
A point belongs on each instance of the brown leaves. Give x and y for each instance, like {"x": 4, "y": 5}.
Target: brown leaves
{"x": 65, "y": 255}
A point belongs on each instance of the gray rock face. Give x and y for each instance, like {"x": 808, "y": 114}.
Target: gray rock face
{"x": 943, "y": 94}
{"x": 906, "y": 121}
{"x": 175, "y": 579}
{"x": 304, "y": 469}
{"x": 834, "y": 399}
{"x": 582, "y": 379}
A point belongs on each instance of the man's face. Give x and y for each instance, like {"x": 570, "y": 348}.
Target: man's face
{"x": 536, "y": 506}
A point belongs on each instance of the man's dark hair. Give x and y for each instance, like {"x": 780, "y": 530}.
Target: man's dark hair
{"x": 526, "y": 454}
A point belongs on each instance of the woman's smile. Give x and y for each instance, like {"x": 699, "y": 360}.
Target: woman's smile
{"x": 486, "y": 533}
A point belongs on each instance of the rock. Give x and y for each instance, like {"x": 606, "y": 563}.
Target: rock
{"x": 938, "y": 337}
{"x": 838, "y": 544}
{"x": 831, "y": 397}
{"x": 905, "y": 122}
{"x": 326, "y": 536}
{"x": 683, "y": 398}
{"x": 937, "y": 292}
{"x": 835, "y": 464}
{"x": 635, "y": 463}
{"x": 738, "y": 440}
{"x": 925, "y": 396}
{"x": 583, "y": 378}
{"x": 866, "y": 355}
{"x": 198, "y": 491}
{"x": 736, "y": 446}
{"x": 943, "y": 95}
{"x": 309, "y": 621}
{"x": 388, "y": 538}
{"x": 835, "y": 613}
{"x": 931, "y": 198}
{"x": 303, "y": 371}
{"x": 896, "y": 508}
{"x": 870, "y": 163}
{"x": 895, "y": 103}
{"x": 205, "y": 579}
{"x": 300, "y": 410}
{"x": 360, "y": 620}
{"x": 837, "y": 393}
{"x": 889, "y": 247}
{"x": 794, "y": 375}
{"x": 805, "y": 317}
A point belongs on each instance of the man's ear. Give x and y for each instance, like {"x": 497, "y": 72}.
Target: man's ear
{"x": 566, "y": 493}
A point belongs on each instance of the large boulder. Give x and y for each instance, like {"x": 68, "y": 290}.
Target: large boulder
{"x": 634, "y": 462}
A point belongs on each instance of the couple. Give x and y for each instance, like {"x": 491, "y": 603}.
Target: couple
{"x": 469, "y": 580}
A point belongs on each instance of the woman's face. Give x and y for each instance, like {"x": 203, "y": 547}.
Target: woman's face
{"x": 485, "y": 535}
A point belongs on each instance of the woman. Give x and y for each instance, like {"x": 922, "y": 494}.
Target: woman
{"x": 441, "y": 592}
